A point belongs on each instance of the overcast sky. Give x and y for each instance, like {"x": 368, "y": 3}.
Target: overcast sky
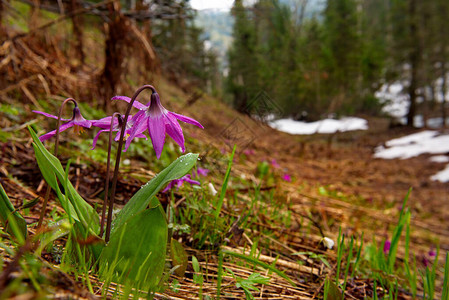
{"x": 212, "y": 4}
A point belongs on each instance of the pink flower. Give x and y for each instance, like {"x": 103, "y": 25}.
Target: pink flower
{"x": 275, "y": 164}
{"x": 105, "y": 125}
{"x": 286, "y": 177}
{"x": 249, "y": 152}
{"x": 158, "y": 121}
{"x": 387, "y": 247}
{"x": 202, "y": 172}
{"x": 179, "y": 182}
{"x": 77, "y": 122}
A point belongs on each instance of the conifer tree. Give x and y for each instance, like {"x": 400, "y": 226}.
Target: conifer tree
{"x": 242, "y": 80}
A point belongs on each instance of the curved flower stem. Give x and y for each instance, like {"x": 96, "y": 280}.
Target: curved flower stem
{"x": 106, "y": 184}
{"x": 117, "y": 160}
{"x": 47, "y": 194}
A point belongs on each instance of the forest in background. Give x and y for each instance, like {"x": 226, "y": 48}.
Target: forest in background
{"x": 311, "y": 65}
{"x": 47, "y": 48}
{"x": 334, "y": 62}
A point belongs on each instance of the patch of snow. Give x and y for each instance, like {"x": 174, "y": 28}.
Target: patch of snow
{"x": 439, "y": 159}
{"x": 414, "y": 145}
{"x": 412, "y": 138}
{"x": 324, "y": 126}
{"x": 427, "y": 141}
{"x": 442, "y": 176}
{"x": 395, "y": 99}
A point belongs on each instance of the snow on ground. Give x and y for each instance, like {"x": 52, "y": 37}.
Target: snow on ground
{"x": 442, "y": 176}
{"x": 439, "y": 158}
{"x": 413, "y": 145}
{"x": 395, "y": 99}
{"x": 324, "y": 126}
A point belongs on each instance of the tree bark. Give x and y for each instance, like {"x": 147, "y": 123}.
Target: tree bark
{"x": 114, "y": 55}
{"x": 414, "y": 62}
{"x": 443, "y": 89}
{"x": 77, "y": 23}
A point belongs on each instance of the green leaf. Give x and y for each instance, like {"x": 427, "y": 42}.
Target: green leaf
{"x": 30, "y": 204}
{"x": 255, "y": 261}
{"x": 137, "y": 249}
{"x": 250, "y": 282}
{"x": 144, "y": 196}
{"x": 225, "y": 185}
{"x": 179, "y": 257}
{"x": 53, "y": 172}
{"x": 198, "y": 276}
{"x": 333, "y": 292}
{"x": 8, "y": 215}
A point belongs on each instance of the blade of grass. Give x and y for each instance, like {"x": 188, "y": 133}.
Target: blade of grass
{"x": 258, "y": 262}
{"x": 445, "y": 292}
{"x": 225, "y": 185}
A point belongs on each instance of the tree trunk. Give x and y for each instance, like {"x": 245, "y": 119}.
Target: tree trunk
{"x": 443, "y": 90}
{"x": 77, "y": 23}
{"x": 114, "y": 55}
{"x": 414, "y": 62}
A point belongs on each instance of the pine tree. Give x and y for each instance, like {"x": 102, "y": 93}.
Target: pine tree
{"x": 242, "y": 80}
{"x": 342, "y": 49}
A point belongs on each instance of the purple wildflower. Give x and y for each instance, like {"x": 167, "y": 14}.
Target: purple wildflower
{"x": 275, "y": 164}
{"x": 249, "y": 152}
{"x": 286, "y": 177}
{"x": 77, "y": 122}
{"x": 387, "y": 247}
{"x": 202, "y": 172}
{"x": 158, "y": 121}
{"x": 179, "y": 182}
{"x": 105, "y": 125}
{"x": 427, "y": 259}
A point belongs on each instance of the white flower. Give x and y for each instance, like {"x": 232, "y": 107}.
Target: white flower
{"x": 329, "y": 243}
{"x": 212, "y": 189}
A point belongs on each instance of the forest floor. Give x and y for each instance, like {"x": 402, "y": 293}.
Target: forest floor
{"x": 335, "y": 182}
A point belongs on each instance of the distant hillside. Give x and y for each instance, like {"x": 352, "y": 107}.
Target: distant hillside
{"x": 217, "y": 25}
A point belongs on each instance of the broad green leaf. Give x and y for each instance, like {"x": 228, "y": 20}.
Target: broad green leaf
{"x": 8, "y": 214}
{"x": 179, "y": 257}
{"x": 144, "y": 196}
{"x": 333, "y": 292}
{"x": 58, "y": 230}
{"x": 137, "y": 249}
{"x": 53, "y": 173}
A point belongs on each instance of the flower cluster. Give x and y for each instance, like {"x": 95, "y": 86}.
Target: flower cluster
{"x": 152, "y": 117}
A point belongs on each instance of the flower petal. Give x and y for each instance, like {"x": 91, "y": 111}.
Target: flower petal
{"x": 50, "y": 134}
{"x": 186, "y": 119}
{"x": 104, "y": 123}
{"x": 138, "y": 128}
{"x": 156, "y": 127}
{"x": 94, "y": 143}
{"x": 135, "y": 131}
{"x": 48, "y": 115}
{"x": 136, "y": 103}
{"x": 174, "y": 130}
{"x": 83, "y": 123}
